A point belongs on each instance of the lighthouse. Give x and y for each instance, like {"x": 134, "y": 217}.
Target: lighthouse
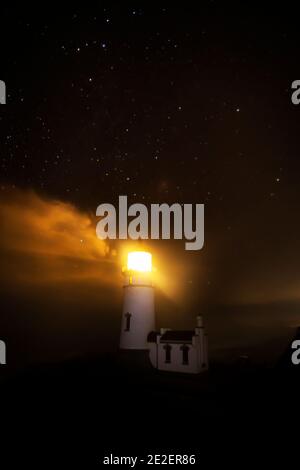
{"x": 144, "y": 346}
{"x": 138, "y": 313}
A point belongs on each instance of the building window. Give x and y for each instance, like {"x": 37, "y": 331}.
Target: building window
{"x": 127, "y": 321}
{"x": 167, "y": 349}
{"x": 185, "y": 354}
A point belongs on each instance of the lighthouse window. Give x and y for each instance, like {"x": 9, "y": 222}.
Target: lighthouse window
{"x": 185, "y": 354}
{"x": 167, "y": 349}
{"x": 127, "y": 321}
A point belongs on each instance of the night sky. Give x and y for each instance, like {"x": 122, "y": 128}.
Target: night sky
{"x": 162, "y": 104}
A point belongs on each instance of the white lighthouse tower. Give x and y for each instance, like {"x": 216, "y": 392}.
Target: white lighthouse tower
{"x": 138, "y": 315}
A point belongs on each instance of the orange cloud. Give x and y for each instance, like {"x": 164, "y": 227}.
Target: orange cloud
{"x": 47, "y": 240}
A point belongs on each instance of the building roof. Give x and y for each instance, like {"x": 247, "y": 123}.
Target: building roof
{"x": 177, "y": 336}
{"x": 151, "y": 338}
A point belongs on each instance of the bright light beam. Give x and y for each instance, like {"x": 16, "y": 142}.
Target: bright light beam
{"x": 139, "y": 261}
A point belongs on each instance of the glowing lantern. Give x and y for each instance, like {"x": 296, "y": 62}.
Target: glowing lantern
{"x": 139, "y": 261}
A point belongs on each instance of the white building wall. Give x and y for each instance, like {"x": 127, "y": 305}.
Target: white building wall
{"x": 153, "y": 354}
{"x": 197, "y": 356}
{"x": 176, "y": 363}
{"x": 202, "y": 348}
{"x": 205, "y": 352}
{"x": 139, "y": 303}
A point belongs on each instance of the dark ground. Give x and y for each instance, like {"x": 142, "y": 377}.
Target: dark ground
{"x": 72, "y": 414}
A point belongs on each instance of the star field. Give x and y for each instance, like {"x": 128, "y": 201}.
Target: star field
{"x": 133, "y": 101}
{"x": 160, "y": 104}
